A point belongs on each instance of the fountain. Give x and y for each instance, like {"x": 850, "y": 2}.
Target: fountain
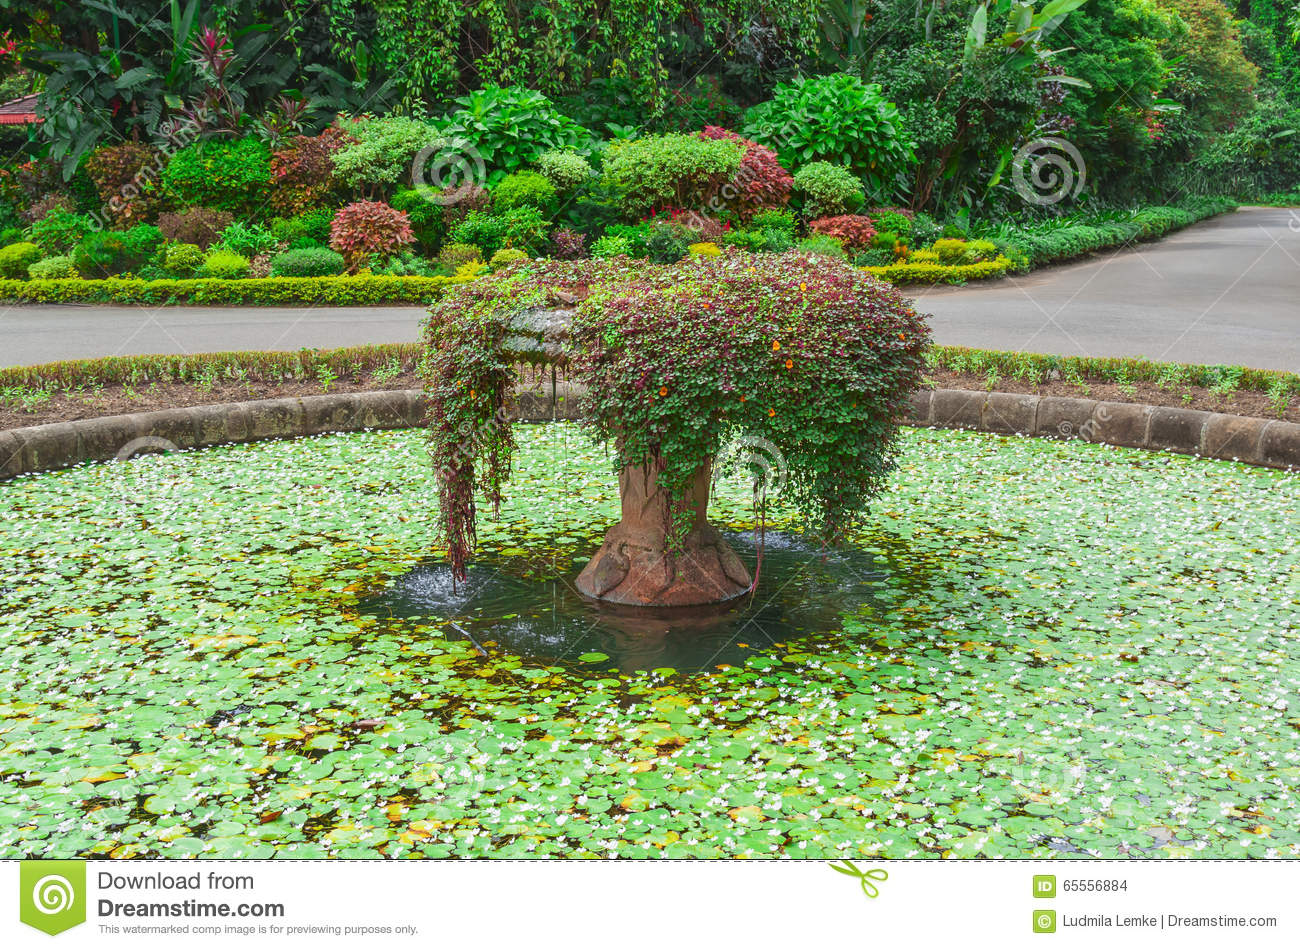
{"x": 810, "y": 354}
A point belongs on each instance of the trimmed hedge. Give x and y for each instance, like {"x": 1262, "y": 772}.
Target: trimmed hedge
{"x": 362, "y": 290}
{"x": 1029, "y": 249}
{"x": 304, "y": 363}
{"x": 905, "y": 272}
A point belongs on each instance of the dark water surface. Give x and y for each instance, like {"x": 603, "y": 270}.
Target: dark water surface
{"x": 802, "y": 589}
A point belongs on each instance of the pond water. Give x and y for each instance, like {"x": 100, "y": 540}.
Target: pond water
{"x": 1030, "y": 649}
{"x": 802, "y": 589}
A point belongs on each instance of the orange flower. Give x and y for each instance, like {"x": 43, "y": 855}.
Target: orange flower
{"x": 789, "y": 364}
{"x": 771, "y": 413}
{"x": 742, "y": 398}
{"x": 776, "y": 347}
{"x": 902, "y": 336}
{"x": 803, "y": 286}
{"x": 663, "y": 390}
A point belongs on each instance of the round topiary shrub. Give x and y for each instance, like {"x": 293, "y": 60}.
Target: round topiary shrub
{"x": 828, "y": 190}
{"x": 506, "y": 256}
{"x": 308, "y": 262}
{"x": 811, "y": 354}
{"x": 669, "y": 171}
{"x": 16, "y": 258}
{"x": 53, "y": 268}
{"x": 566, "y": 170}
{"x": 182, "y": 260}
{"x": 225, "y": 265}
{"x": 366, "y": 229}
{"x": 524, "y": 189}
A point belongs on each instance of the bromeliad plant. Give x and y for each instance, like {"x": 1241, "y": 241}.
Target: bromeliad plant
{"x": 809, "y": 353}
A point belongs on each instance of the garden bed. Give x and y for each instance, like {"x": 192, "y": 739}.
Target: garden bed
{"x": 60, "y": 392}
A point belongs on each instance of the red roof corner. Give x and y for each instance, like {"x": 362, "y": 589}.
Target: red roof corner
{"x": 19, "y": 111}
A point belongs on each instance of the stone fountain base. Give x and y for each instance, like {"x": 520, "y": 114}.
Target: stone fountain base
{"x": 633, "y": 566}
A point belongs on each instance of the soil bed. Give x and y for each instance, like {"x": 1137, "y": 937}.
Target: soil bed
{"x": 121, "y": 400}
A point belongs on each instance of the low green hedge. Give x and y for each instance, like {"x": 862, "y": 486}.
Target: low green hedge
{"x": 905, "y": 272}
{"x": 361, "y": 290}
{"x": 1029, "y": 249}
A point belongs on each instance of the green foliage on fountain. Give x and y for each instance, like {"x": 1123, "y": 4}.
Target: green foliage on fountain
{"x": 811, "y": 354}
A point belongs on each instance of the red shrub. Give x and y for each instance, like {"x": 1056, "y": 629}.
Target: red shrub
{"x": 760, "y": 183}
{"x": 126, "y": 177}
{"x": 853, "y": 230}
{"x": 369, "y": 228}
{"x": 202, "y": 226}
{"x": 303, "y": 171}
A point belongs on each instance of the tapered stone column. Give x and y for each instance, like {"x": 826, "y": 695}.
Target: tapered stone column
{"x": 633, "y": 566}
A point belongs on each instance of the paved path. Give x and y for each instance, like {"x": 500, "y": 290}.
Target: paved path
{"x": 1224, "y": 291}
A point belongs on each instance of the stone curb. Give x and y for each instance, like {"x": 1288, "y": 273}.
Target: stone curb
{"x": 1254, "y": 441}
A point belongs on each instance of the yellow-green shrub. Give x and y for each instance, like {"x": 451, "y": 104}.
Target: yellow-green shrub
{"x": 256, "y": 291}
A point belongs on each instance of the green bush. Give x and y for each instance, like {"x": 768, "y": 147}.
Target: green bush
{"x": 308, "y": 262}
{"x": 182, "y": 260}
{"x": 248, "y": 240}
{"x": 669, "y": 171}
{"x": 506, "y": 256}
{"x": 835, "y": 118}
{"x": 453, "y": 254}
{"x": 52, "y": 268}
{"x": 16, "y": 258}
{"x": 382, "y": 152}
{"x": 508, "y": 127}
{"x": 229, "y": 175}
{"x": 774, "y": 220}
{"x": 611, "y": 245}
{"x": 894, "y": 222}
{"x": 566, "y": 170}
{"x": 110, "y": 253}
{"x": 61, "y": 230}
{"x": 828, "y": 189}
{"x": 407, "y": 264}
{"x": 905, "y": 272}
{"x": 522, "y": 228}
{"x": 822, "y": 244}
{"x": 223, "y": 264}
{"x": 667, "y": 242}
{"x": 313, "y": 225}
{"x": 427, "y": 217}
{"x": 525, "y": 189}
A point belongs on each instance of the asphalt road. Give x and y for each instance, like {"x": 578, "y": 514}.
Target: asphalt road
{"x": 1224, "y": 291}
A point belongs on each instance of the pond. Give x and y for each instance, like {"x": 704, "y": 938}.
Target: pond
{"x": 1030, "y": 649}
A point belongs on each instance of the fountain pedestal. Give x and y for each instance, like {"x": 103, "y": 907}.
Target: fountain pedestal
{"x": 633, "y": 566}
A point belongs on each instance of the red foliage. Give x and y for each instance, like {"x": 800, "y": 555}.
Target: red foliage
{"x": 853, "y": 230}
{"x": 126, "y": 177}
{"x": 303, "y": 171}
{"x": 760, "y": 183}
{"x": 201, "y": 226}
{"x": 569, "y": 244}
{"x": 369, "y": 228}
